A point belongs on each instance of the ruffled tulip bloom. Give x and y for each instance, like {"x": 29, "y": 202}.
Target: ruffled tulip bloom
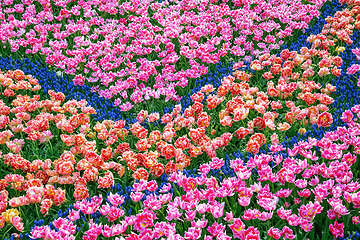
{"x": 353, "y": 69}
{"x": 337, "y": 229}
{"x": 274, "y": 232}
{"x": 16, "y": 221}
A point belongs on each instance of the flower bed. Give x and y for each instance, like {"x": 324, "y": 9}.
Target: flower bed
{"x": 293, "y": 198}
{"x": 104, "y": 107}
{"x": 57, "y": 156}
{"x": 140, "y": 50}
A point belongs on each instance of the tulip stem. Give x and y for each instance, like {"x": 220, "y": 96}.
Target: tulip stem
{"x": 227, "y": 202}
{"x": 37, "y": 210}
{"x": 7, "y": 231}
{"x": 51, "y": 148}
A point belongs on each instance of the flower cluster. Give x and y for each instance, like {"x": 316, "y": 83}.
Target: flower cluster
{"x": 29, "y": 128}
{"x": 149, "y": 48}
{"x": 238, "y": 104}
{"x": 301, "y": 194}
